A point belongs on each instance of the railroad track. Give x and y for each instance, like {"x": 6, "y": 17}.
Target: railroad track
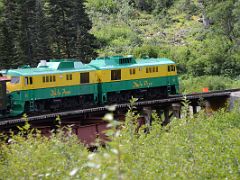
{"x": 170, "y": 99}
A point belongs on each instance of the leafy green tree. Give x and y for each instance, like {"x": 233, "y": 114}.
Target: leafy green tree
{"x": 150, "y": 5}
{"x": 224, "y": 17}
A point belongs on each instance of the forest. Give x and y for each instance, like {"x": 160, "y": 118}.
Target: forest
{"x": 202, "y": 36}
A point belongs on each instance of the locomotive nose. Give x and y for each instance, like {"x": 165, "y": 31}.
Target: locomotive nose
{"x": 14, "y": 84}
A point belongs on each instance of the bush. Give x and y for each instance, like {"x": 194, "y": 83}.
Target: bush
{"x": 203, "y": 147}
{"x": 116, "y": 36}
{"x": 106, "y": 6}
{"x": 146, "y": 51}
{"x": 40, "y": 157}
{"x": 189, "y": 84}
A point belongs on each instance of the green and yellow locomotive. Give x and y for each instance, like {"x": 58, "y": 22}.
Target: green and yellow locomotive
{"x": 124, "y": 77}
{"x": 67, "y": 83}
{"x": 58, "y": 84}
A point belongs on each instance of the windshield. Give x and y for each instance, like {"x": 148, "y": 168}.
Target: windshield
{"x": 15, "y": 80}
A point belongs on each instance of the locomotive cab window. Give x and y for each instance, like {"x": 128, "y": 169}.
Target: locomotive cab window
{"x": 15, "y": 80}
{"x": 116, "y": 75}
{"x": 84, "y": 78}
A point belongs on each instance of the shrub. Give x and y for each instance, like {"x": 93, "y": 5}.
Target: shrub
{"x": 146, "y": 51}
{"x": 106, "y": 6}
{"x": 202, "y": 147}
{"x": 190, "y": 84}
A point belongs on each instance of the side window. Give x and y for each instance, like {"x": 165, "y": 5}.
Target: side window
{"x": 84, "y": 78}
{"x": 43, "y": 79}
{"x": 132, "y": 71}
{"x": 30, "y": 80}
{"x": 171, "y": 68}
{"x": 50, "y": 78}
{"x": 157, "y": 69}
{"x": 69, "y": 76}
{"x": 47, "y": 78}
{"x": 54, "y": 78}
{"x": 116, "y": 75}
{"x": 26, "y": 80}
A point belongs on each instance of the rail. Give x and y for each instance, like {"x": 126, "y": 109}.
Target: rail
{"x": 170, "y": 99}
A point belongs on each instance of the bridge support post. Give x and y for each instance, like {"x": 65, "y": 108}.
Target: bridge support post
{"x": 176, "y": 107}
{"x": 194, "y": 107}
{"x": 147, "y": 114}
{"x": 166, "y": 116}
{"x": 208, "y": 108}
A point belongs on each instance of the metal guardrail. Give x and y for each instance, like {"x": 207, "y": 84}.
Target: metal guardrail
{"x": 171, "y": 99}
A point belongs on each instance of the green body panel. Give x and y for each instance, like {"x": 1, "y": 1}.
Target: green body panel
{"x": 19, "y": 98}
{"x": 138, "y": 84}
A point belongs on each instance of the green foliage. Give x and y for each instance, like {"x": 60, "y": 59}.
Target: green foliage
{"x": 153, "y": 5}
{"x": 189, "y": 84}
{"x": 119, "y": 37}
{"x": 106, "y": 6}
{"x": 41, "y": 157}
{"x": 201, "y": 147}
{"x": 146, "y": 51}
{"x": 33, "y": 30}
{"x": 192, "y": 33}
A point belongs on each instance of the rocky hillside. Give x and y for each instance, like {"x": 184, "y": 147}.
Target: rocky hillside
{"x": 202, "y": 37}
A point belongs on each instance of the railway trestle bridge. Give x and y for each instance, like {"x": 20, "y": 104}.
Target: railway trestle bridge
{"x": 87, "y": 124}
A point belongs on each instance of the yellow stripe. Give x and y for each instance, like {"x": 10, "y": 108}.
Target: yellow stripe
{"x": 94, "y": 77}
{"x": 140, "y": 73}
{"x": 61, "y": 80}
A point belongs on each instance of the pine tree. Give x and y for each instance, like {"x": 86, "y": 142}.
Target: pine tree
{"x": 85, "y": 42}
{"x": 33, "y": 33}
{"x": 8, "y": 33}
{"x": 41, "y": 33}
{"x": 70, "y": 27}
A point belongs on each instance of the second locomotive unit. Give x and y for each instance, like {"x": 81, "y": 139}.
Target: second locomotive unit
{"x": 66, "y": 84}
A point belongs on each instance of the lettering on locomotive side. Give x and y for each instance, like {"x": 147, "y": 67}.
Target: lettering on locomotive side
{"x": 65, "y": 92}
{"x": 141, "y": 84}
{"x": 137, "y": 84}
{"x": 59, "y": 92}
